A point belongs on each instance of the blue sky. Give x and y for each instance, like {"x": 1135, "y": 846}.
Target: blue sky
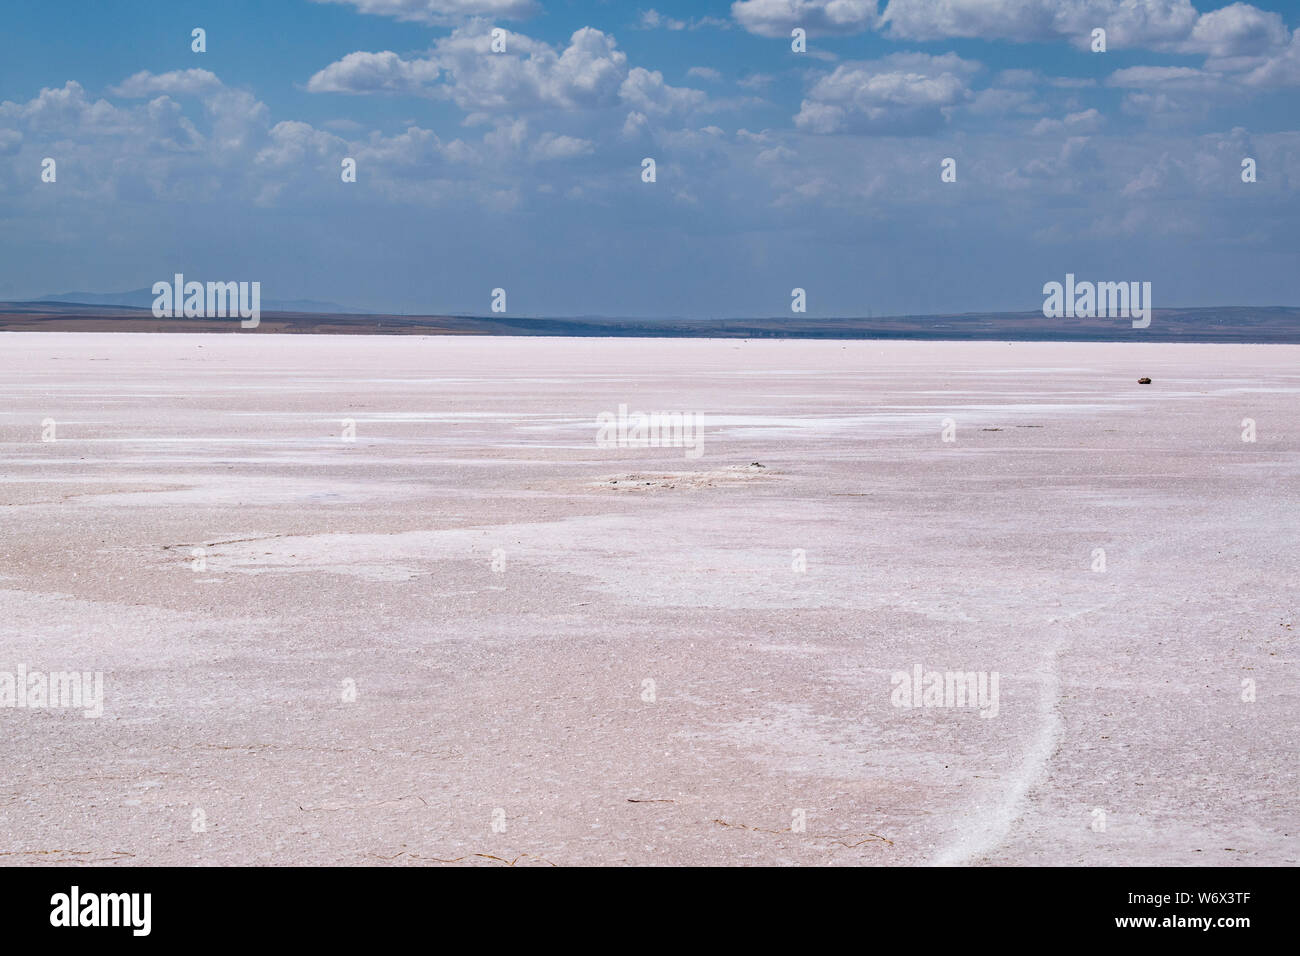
{"x": 775, "y": 169}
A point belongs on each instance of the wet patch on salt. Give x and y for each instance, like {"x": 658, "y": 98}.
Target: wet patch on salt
{"x": 667, "y": 480}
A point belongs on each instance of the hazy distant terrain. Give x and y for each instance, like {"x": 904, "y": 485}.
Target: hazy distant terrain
{"x": 1277, "y": 324}
{"x": 144, "y": 299}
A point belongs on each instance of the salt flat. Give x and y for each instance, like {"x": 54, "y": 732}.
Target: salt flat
{"x": 572, "y": 654}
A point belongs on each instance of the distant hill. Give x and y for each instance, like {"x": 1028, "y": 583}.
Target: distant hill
{"x": 143, "y": 299}
{"x": 1265, "y": 325}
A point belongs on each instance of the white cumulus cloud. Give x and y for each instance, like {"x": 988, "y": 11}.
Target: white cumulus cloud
{"x": 901, "y": 92}
{"x": 176, "y": 83}
{"x": 589, "y": 73}
{"x": 776, "y": 18}
{"x": 443, "y": 12}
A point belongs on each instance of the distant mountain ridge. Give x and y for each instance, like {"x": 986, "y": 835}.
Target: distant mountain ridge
{"x": 1263, "y": 324}
{"x": 143, "y": 299}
